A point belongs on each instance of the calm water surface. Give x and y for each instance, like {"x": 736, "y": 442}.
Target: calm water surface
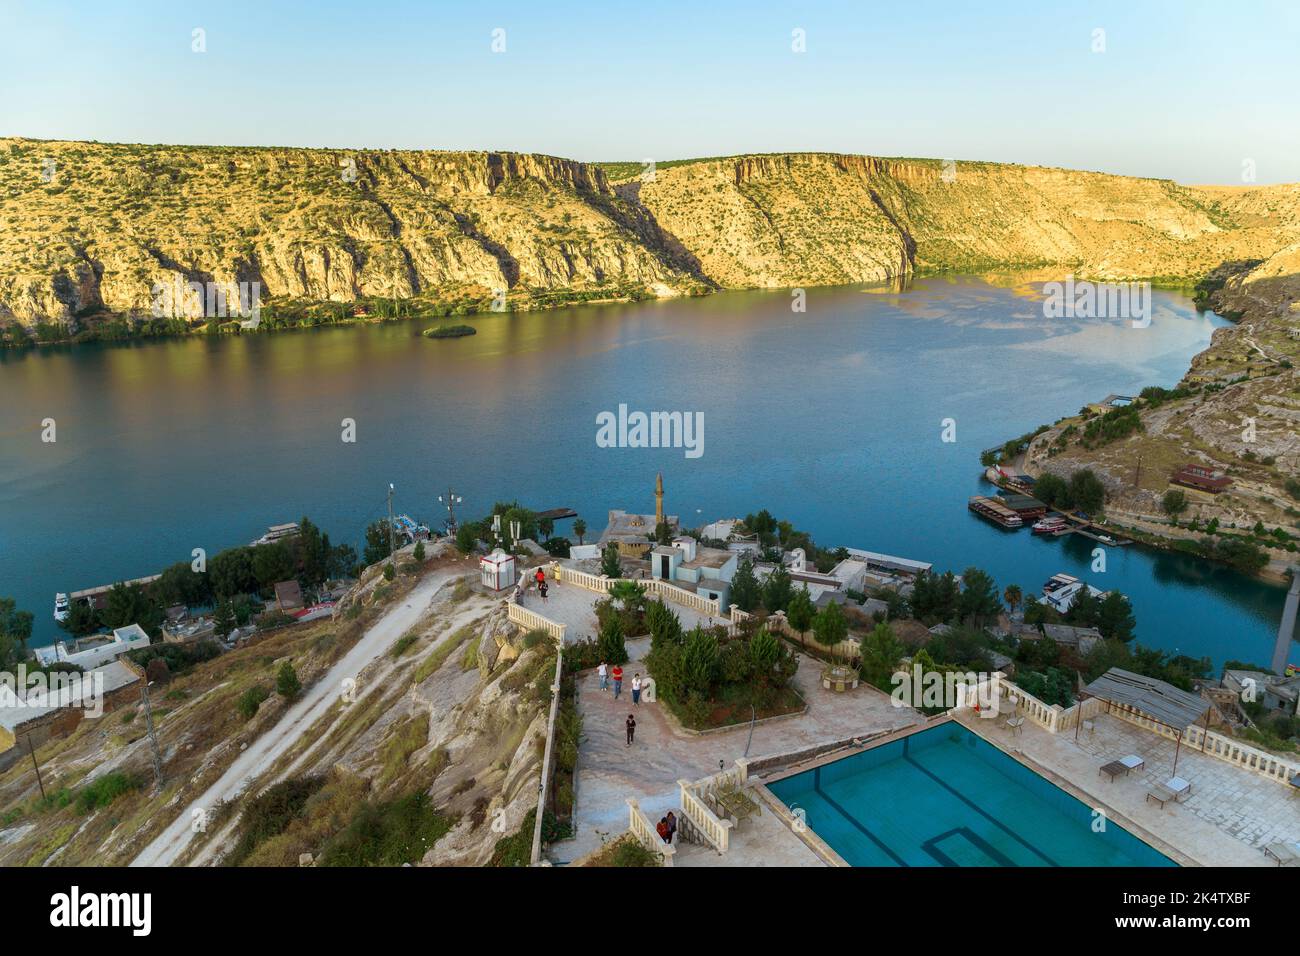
{"x": 831, "y": 419}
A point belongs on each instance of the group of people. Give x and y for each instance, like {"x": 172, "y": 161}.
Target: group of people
{"x": 667, "y": 827}
{"x": 606, "y": 673}
{"x": 542, "y": 586}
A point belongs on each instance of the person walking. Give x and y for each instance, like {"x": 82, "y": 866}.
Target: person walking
{"x": 631, "y": 729}
{"x": 603, "y": 671}
{"x": 617, "y": 674}
{"x": 671, "y": 820}
{"x": 636, "y": 689}
{"x": 540, "y": 577}
{"x": 543, "y": 589}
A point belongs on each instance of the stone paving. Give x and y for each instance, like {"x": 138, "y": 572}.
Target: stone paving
{"x": 575, "y": 606}
{"x": 609, "y": 771}
{"x": 1228, "y": 818}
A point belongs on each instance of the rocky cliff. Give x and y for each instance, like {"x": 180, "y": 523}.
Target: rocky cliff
{"x": 89, "y": 229}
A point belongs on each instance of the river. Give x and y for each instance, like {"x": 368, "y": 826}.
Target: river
{"x": 831, "y": 418}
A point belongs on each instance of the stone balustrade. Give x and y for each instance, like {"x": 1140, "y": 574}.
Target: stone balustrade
{"x": 530, "y": 620}
{"x": 640, "y": 827}
{"x": 717, "y": 832}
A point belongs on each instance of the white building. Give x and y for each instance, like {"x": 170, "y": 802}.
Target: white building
{"x": 96, "y": 650}
{"x": 686, "y": 563}
{"x": 498, "y": 570}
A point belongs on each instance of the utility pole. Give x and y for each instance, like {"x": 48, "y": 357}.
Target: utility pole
{"x": 391, "y": 549}
{"x": 153, "y": 737}
{"x": 32, "y": 750}
{"x": 451, "y": 500}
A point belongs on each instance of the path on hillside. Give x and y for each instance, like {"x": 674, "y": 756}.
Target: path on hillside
{"x": 262, "y": 754}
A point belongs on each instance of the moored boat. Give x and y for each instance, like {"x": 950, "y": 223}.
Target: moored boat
{"x": 1049, "y": 525}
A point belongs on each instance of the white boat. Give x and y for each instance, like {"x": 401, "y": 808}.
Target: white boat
{"x": 1049, "y": 525}
{"x": 60, "y": 607}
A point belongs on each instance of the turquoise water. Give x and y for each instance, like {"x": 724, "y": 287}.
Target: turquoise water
{"x": 945, "y": 797}
{"x": 831, "y": 418}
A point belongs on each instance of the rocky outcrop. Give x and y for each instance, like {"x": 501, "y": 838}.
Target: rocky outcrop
{"x": 89, "y": 227}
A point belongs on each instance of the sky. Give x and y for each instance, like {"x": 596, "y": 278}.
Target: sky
{"x": 1192, "y": 91}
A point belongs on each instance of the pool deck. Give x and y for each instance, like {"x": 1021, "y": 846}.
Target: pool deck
{"x": 1228, "y": 818}
{"x": 609, "y": 771}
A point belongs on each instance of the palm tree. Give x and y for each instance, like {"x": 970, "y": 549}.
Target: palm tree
{"x": 579, "y": 528}
{"x": 1012, "y": 596}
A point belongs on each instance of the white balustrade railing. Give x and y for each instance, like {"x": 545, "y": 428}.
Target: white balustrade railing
{"x": 639, "y": 826}
{"x": 530, "y": 620}
{"x": 716, "y": 831}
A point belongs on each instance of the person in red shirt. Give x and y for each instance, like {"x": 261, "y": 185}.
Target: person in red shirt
{"x": 617, "y": 674}
{"x": 540, "y": 576}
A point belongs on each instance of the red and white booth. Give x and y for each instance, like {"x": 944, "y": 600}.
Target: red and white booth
{"x": 498, "y": 570}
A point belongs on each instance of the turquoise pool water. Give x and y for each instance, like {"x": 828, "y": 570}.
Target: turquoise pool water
{"x": 946, "y": 797}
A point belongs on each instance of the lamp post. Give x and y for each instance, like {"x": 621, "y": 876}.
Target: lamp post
{"x": 153, "y": 737}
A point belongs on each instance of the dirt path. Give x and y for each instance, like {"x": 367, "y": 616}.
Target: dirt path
{"x": 262, "y": 754}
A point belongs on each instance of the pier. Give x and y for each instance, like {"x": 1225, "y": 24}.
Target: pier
{"x": 995, "y": 511}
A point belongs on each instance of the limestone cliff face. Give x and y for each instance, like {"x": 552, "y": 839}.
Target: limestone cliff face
{"x": 87, "y": 227}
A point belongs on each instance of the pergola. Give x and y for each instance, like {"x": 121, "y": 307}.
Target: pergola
{"x": 1156, "y": 700}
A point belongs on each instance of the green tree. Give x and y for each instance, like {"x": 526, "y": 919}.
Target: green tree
{"x": 1039, "y": 613}
{"x": 466, "y": 539}
{"x": 978, "y": 604}
{"x": 764, "y": 651}
{"x": 390, "y": 572}
{"x": 82, "y": 619}
{"x": 419, "y": 552}
{"x": 1054, "y": 491}
{"x": 610, "y": 566}
{"x": 313, "y": 552}
{"x": 1174, "y": 503}
{"x": 1012, "y": 597}
{"x": 1085, "y": 609}
{"x": 272, "y": 563}
{"x": 377, "y": 542}
{"x": 664, "y": 625}
{"x": 745, "y": 591}
{"x": 287, "y": 684}
{"x": 613, "y": 648}
{"x": 231, "y": 572}
{"x": 546, "y": 525}
{"x": 663, "y": 533}
{"x": 15, "y": 632}
{"x": 579, "y": 528}
{"x": 778, "y": 589}
{"x": 1087, "y": 491}
{"x": 829, "y": 626}
{"x": 223, "y": 618}
{"x": 1115, "y": 617}
{"x": 800, "y": 611}
{"x": 629, "y": 595}
{"x": 700, "y": 661}
{"x": 129, "y": 604}
{"x": 881, "y": 651}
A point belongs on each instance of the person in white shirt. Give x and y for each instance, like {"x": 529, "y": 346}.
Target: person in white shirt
{"x": 636, "y": 688}
{"x": 603, "y": 671}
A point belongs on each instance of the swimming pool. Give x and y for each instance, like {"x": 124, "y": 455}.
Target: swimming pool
{"x": 946, "y": 797}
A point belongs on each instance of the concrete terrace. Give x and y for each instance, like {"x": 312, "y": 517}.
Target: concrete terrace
{"x": 609, "y": 771}
{"x": 572, "y": 605}
{"x": 1229, "y": 817}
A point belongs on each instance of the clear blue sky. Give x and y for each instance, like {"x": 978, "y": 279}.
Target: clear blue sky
{"x": 1185, "y": 90}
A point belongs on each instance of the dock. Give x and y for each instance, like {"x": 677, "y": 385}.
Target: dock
{"x": 995, "y": 511}
{"x": 96, "y": 596}
{"x": 555, "y": 514}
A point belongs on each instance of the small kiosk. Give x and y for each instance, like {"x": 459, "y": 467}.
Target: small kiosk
{"x": 498, "y": 569}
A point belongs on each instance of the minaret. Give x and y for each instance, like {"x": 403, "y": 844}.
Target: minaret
{"x": 1281, "y": 651}
{"x": 659, "y": 499}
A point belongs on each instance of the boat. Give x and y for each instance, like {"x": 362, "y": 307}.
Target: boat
{"x": 995, "y": 511}
{"x": 1058, "y": 581}
{"x": 1049, "y": 525}
{"x": 60, "y": 607}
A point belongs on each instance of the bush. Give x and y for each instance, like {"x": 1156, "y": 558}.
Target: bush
{"x": 388, "y": 834}
{"x": 287, "y": 684}
{"x": 104, "y": 790}
{"x": 250, "y": 700}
